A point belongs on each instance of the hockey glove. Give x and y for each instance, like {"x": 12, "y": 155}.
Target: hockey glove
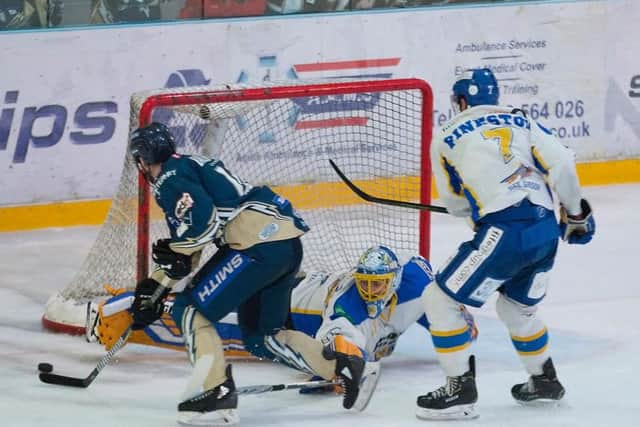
{"x": 148, "y": 303}
{"x": 577, "y": 229}
{"x": 350, "y": 365}
{"x": 175, "y": 265}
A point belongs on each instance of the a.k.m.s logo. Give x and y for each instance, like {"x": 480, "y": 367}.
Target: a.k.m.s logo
{"x": 184, "y": 134}
{"x": 310, "y": 112}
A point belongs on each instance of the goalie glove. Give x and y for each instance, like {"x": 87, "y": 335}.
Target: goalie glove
{"x": 577, "y": 229}
{"x": 350, "y": 365}
{"x": 175, "y": 265}
{"x": 148, "y": 303}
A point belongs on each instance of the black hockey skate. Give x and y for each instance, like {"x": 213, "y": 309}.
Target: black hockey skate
{"x": 213, "y": 407}
{"x": 454, "y": 400}
{"x": 543, "y": 388}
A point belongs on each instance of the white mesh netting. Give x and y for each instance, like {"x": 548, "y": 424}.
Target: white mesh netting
{"x": 375, "y": 137}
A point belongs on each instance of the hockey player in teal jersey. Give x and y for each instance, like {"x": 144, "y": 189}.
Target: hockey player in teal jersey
{"x": 257, "y": 233}
{"x": 501, "y": 170}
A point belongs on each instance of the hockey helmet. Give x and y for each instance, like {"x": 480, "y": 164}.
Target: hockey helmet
{"x": 153, "y": 144}
{"x": 377, "y": 277}
{"x": 477, "y": 87}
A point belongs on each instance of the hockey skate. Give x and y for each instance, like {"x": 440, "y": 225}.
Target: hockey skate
{"x": 213, "y": 407}
{"x": 540, "y": 389}
{"x": 454, "y": 400}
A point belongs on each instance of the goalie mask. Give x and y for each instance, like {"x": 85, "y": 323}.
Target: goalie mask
{"x": 477, "y": 87}
{"x": 151, "y": 145}
{"x": 377, "y": 278}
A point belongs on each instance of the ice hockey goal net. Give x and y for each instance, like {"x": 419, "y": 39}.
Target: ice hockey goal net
{"x": 282, "y": 135}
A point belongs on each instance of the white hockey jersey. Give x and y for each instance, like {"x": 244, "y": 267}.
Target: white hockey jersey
{"x": 325, "y": 305}
{"x": 488, "y": 158}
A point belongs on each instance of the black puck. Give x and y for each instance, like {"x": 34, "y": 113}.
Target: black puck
{"x": 45, "y": 367}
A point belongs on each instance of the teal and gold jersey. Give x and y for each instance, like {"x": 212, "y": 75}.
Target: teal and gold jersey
{"x": 205, "y": 202}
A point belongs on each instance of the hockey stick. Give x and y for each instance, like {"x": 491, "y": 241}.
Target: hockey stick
{"x": 381, "y": 200}
{"x": 50, "y": 378}
{"x": 266, "y": 388}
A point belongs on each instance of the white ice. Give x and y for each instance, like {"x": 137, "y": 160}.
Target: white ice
{"x": 591, "y": 311}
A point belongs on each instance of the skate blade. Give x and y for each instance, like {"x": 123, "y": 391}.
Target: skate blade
{"x": 368, "y": 384}
{"x": 458, "y": 412}
{"x": 540, "y": 403}
{"x": 219, "y": 418}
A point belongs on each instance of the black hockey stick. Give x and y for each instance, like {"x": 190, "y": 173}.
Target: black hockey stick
{"x": 50, "y": 378}
{"x": 266, "y": 388}
{"x": 380, "y": 200}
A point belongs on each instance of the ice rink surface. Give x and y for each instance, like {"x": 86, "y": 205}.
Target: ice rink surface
{"x": 591, "y": 310}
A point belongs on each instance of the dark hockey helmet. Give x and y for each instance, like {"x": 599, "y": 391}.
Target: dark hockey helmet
{"x": 477, "y": 87}
{"x": 153, "y": 144}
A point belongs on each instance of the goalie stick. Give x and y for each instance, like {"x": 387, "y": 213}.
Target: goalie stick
{"x": 368, "y": 385}
{"x": 266, "y": 388}
{"x": 380, "y": 200}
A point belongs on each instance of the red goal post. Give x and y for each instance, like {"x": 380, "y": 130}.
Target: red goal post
{"x": 282, "y": 135}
